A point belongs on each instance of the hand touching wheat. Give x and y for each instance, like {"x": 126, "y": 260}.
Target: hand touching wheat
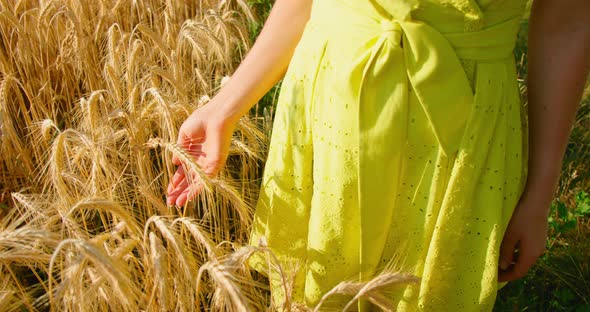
{"x": 206, "y": 136}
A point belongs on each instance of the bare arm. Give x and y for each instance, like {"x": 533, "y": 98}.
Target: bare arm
{"x": 207, "y": 133}
{"x": 559, "y": 61}
{"x": 267, "y": 61}
{"x": 559, "y": 46}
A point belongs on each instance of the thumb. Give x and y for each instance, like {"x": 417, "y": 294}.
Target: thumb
{"x": 219, "y": 145}
{"x": 507, "y": 251}
{"x": 175, "y": 160}
{"x": 180, "y": 143}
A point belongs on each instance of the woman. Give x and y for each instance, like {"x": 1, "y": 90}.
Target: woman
{"x": 400, "y": 124}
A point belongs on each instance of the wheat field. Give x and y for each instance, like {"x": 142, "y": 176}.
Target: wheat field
{"x": 92, "y": 94}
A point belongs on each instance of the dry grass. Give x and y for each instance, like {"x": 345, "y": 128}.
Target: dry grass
{"x": 91, "y": 96}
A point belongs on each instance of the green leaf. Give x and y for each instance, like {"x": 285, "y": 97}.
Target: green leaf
{"x": 582, "y": 203}
{"x": 561, "y": 209}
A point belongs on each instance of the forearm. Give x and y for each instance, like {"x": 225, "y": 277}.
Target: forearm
{"x": 267, "y": 61}
{"x": 558, "y": 65}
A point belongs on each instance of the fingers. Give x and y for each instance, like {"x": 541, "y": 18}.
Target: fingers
{"x": 176, "y": 178}
{"x": 185, "y": 186}
{"x": 526, "y": 259}
{"x": 192, "y": 148}
{"x": 174, "y": 193}
{"x": 215, "y": 157}
{"x": 181, "y": 139}
{"x": 527, "y": 256}
{"x": 507, "y": 251}
{"x": 175, "y": 160}
{"x": 189, "y": 193}
{"x": 180, "y": 190}
{"x": 505, "y": 272}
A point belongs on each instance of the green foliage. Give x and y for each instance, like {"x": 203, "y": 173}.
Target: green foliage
{"x": 582, "y": 204}
{"x": 562, "y": 219}
{"x": 560, "y": 279}
{"x": 262, "y": 9}
{"x": 557, "y": 282}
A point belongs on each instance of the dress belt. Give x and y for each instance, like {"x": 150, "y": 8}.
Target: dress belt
{"x": 412, "y": 56}
{"x": 434, "y": 71}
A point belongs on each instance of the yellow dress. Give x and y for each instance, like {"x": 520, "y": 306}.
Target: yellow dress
{"x": 399, "y": 129}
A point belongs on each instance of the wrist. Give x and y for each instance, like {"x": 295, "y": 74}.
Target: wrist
{"x": 221, "y": 112}
{"x": 230, "y": 106}
{"x": 541, "y": 193}
{"x": 543, "y": 181}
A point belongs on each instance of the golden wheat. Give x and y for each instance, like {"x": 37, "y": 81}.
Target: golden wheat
{"x": 92, "y": 94}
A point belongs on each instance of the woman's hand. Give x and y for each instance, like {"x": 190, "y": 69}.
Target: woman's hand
{"x": 527, "y": 231}
{"x": 206, "y": 135}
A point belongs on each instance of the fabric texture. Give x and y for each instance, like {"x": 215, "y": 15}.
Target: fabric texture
{"x": 399, "y": 131}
